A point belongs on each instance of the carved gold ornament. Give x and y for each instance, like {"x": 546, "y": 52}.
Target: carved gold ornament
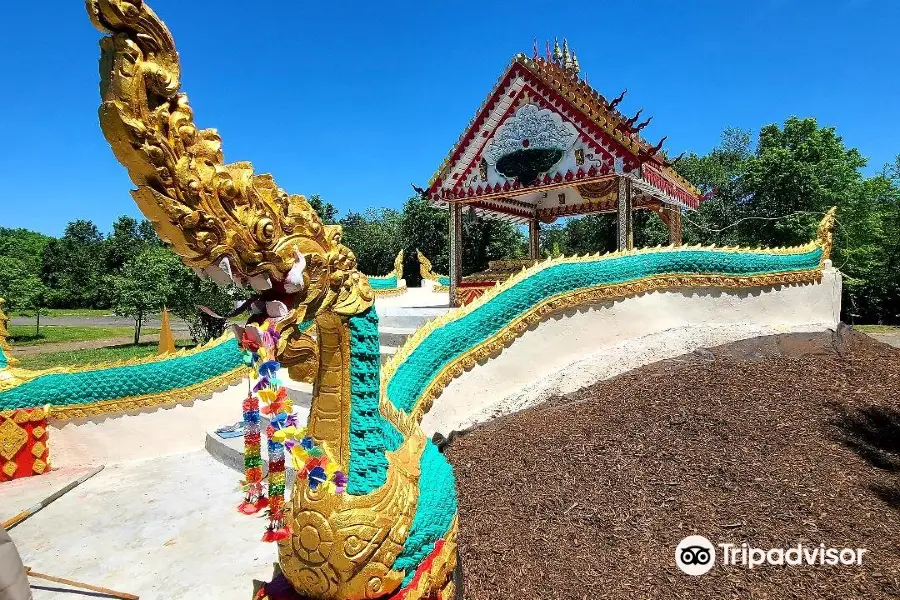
{"x": 12, "y": 439}
{"x": 425, "y": 269}
{"x": 222, "y": 219}
{"x": 38, "y": 449}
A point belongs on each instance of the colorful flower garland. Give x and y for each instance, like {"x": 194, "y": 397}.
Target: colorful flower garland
{"x": 258, "y": 344}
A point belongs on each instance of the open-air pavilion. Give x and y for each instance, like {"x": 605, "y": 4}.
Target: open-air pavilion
{"x": 545, "y": 145}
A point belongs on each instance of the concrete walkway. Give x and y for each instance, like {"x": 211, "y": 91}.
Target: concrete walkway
{"x": 21, "y": 351}
{"x": 165, "y": 528}
{"x": 97, "y": 321}
{"x": 891, "y": 338}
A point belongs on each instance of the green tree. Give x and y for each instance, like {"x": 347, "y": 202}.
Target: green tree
{"x": 74, "y": 269}
{"x": 797, "y": 173}
{"x": 326, "y": 210}
{"x": 25, "y": 246}
{"x": 553, "y": 240}
{"x": 144, "y": 286}
{"x": 22, "y": 288}
{"x": 425, "y": 228}
{"x": 189, "y": 292}
{"x": 775, "y": 195}
{"x": 719, "y": 173}
{"x": 124, "y": 243}
{"x": 374, "y": 238}
{"x": 485, "y": 240}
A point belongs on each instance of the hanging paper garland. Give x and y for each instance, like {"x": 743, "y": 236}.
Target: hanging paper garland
{"x": 258, "y": 344}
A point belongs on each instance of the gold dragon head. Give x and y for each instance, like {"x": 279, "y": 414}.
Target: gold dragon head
{"x": 222, "y": 219}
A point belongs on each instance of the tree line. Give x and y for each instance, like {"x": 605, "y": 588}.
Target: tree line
{"x": 765, "y": 190}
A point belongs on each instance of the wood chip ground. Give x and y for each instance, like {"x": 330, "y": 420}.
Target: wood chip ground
{"x": 770, "y": 441}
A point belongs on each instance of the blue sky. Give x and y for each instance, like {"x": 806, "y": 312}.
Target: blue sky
{"x": 355, "y": 100}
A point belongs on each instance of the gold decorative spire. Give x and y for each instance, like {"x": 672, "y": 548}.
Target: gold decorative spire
{"x": 557, "y": 53}
{"x": 567, "y": 56}
{"x": 575, "y": 65}
{"x": 4, "y": 333}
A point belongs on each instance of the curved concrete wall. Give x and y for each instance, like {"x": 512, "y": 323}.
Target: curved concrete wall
{"x": 576, "y": 348}
{"x": 155, "y": 431}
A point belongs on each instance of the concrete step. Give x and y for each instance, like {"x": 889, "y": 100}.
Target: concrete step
{"x": 230, "y": 451}
{"x": 394, "y": 336}
{"x": 408, "y": 317}
{"x": 387, "y": 352}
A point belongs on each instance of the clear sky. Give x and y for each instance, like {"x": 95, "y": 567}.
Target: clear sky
{"x": 355, "y": 100}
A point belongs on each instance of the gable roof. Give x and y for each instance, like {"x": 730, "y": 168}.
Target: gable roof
{"x": 602, "y": 129}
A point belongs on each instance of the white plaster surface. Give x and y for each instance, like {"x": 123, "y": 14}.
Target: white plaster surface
{"x": 414, "y": 296}
{"x": 576, "y": 348}
{"x": 152, "y": 432}
{"x": 163, "y": 529}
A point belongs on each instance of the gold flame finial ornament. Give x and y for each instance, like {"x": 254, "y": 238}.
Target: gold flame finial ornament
{"x": 825, "y": 233}
{"x": 4, "y": 335}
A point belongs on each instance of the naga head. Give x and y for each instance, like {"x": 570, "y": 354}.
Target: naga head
{"x": 223, "y": 220}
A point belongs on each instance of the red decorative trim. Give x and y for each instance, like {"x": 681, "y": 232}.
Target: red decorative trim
{"x": 25, "y": 435}
{"x": 658, "y": 180}
{"x": 588, "y": 134}
{"x": 541, "y": 76}
{"x": 423, "y": 568}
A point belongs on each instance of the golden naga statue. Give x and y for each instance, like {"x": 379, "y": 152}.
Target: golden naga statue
{"x": 393, "y": 534}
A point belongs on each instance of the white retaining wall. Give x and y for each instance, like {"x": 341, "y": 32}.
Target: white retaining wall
{"x": 576, "y": 348}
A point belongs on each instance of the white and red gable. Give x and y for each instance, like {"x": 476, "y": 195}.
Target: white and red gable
{"x": 545, "y": 144}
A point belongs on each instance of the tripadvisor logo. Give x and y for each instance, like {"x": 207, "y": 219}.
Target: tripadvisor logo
{"x": 696, "y": 555}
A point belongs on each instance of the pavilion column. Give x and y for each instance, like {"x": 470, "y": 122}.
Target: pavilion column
{"x": 625, "y": 224}
{"x": 534, "y": 239}
{"x": 674, "y": 223}
{"x": 455, "y": 249}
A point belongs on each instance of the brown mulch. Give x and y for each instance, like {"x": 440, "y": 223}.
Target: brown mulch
{"x": 770, "y": 441}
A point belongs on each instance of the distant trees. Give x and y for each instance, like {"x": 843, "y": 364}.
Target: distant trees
{"x": 378, "y": 234}
{"x": 73, "y": 269}
{"x": 143, "y": 286}
{"x": 22, "y": 288}
{"x": 774, "y": 194}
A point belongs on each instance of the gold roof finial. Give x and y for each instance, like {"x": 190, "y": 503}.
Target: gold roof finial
{"x": 557, "y": 53}
{"x": 575, "y": 65}
{"x": 567, "y": 57}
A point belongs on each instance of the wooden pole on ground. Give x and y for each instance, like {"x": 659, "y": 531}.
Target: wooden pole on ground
{"x": 78, "y": 584}
{"x": 25, "y": 514}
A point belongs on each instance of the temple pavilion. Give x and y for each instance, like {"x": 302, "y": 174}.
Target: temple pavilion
{"x": 545, "y": 145}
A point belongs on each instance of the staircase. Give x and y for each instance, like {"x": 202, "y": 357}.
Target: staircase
{"x": 396, "y": 323}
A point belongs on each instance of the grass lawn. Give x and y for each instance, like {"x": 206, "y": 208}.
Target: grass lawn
{"x": 877, "y": 328}
{"x": 64, "y": 312}
{"x": 93, "y": 356}
{"x": 23, "y": 335}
